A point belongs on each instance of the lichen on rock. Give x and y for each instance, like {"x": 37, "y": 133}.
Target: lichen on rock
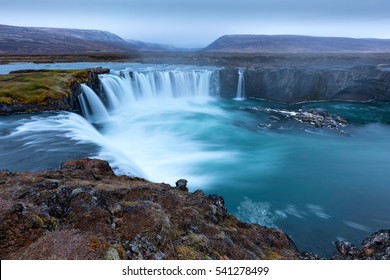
{"x": 84, "y": 211}
{"x": 44, "y": 90}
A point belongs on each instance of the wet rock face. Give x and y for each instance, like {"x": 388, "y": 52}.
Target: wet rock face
{"x": 375, "y": 247}
{"x": 84, "y": 211}
{"x": 61, "y": 104}
{"x": 309, "y": 83}
{"x": 94, "y": 82}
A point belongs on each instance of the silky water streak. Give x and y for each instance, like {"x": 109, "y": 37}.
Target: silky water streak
{"x": 140, "y": 121}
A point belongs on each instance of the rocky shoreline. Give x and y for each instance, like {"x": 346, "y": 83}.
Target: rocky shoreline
{"x": 85, "y": 211}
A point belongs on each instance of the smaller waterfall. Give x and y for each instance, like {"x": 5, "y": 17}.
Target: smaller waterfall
{"x": 240, "y": 86}
{"x": 92, "y": 107}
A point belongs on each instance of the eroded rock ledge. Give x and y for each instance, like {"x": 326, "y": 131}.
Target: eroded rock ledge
{"x": 84, "y": 211}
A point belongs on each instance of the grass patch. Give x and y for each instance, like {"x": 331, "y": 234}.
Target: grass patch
{"x": 38, "y": 87}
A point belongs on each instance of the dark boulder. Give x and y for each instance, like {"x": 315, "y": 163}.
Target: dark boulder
{"x": 375, "y": 247}
{"x": 182, "y": 185}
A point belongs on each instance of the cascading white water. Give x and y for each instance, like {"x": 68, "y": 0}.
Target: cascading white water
{"x": 92, "y": 107}
{"x": 126, "y": 86}
{"x": 139, "y": 120}
{"x": 123, "y": 88}
{"x": 240, "y": 86}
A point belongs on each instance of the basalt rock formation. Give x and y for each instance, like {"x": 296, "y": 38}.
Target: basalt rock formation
{"x": 312, "y": 83}
{"x": 85, "y": 211}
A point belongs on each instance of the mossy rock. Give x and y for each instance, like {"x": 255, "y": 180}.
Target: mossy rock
{"x": 40, "y": 87}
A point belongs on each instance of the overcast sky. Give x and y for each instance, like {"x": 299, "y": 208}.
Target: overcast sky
{"x": 196, "y": 23}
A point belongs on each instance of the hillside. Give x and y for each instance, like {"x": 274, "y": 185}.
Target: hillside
{"x": 36, "y": 40}
{"x": 153, "y": 47}
{"x": 296, "y": 44}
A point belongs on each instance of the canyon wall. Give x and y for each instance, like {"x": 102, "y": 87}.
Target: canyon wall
{"x": 299, "y": 84}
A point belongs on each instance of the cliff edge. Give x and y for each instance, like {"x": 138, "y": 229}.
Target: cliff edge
{"x": 85, "y": 211}
{"x": 27, "y": 91}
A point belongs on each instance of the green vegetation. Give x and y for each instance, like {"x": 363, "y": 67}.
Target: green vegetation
{"x": 38, "y": 87}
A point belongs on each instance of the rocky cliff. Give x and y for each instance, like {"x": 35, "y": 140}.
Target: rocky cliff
{"x": 84, "y": 211}
{"x": 313, "y": 83}
{"x": 47, "y": 89}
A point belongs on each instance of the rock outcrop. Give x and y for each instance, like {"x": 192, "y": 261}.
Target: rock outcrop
{"x": 47, "y": 90}
{"x": 84, "y": 211}
{"x": 317, "y": 117}
{"x": 375, "y": 247}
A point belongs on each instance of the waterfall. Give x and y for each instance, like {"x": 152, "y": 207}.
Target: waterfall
{"x": 240, "y": 86}
{"x": 170, "y": 83}
{"x": 92, "y": 107}
{"x": 140, "y": 113}
{"x": 124, "y": 88}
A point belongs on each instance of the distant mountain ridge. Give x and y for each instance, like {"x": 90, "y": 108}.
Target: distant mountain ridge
{"x": 153, "y": 47}
{"x": 42, "y": 40}
{"x": 295, "y": 44}
{"x": 17, "y": 40}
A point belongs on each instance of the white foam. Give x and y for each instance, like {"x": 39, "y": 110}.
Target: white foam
{"x": 357, "y": 226}
{"x": 318, "y": 211}
{"x": 259, "y": 213}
